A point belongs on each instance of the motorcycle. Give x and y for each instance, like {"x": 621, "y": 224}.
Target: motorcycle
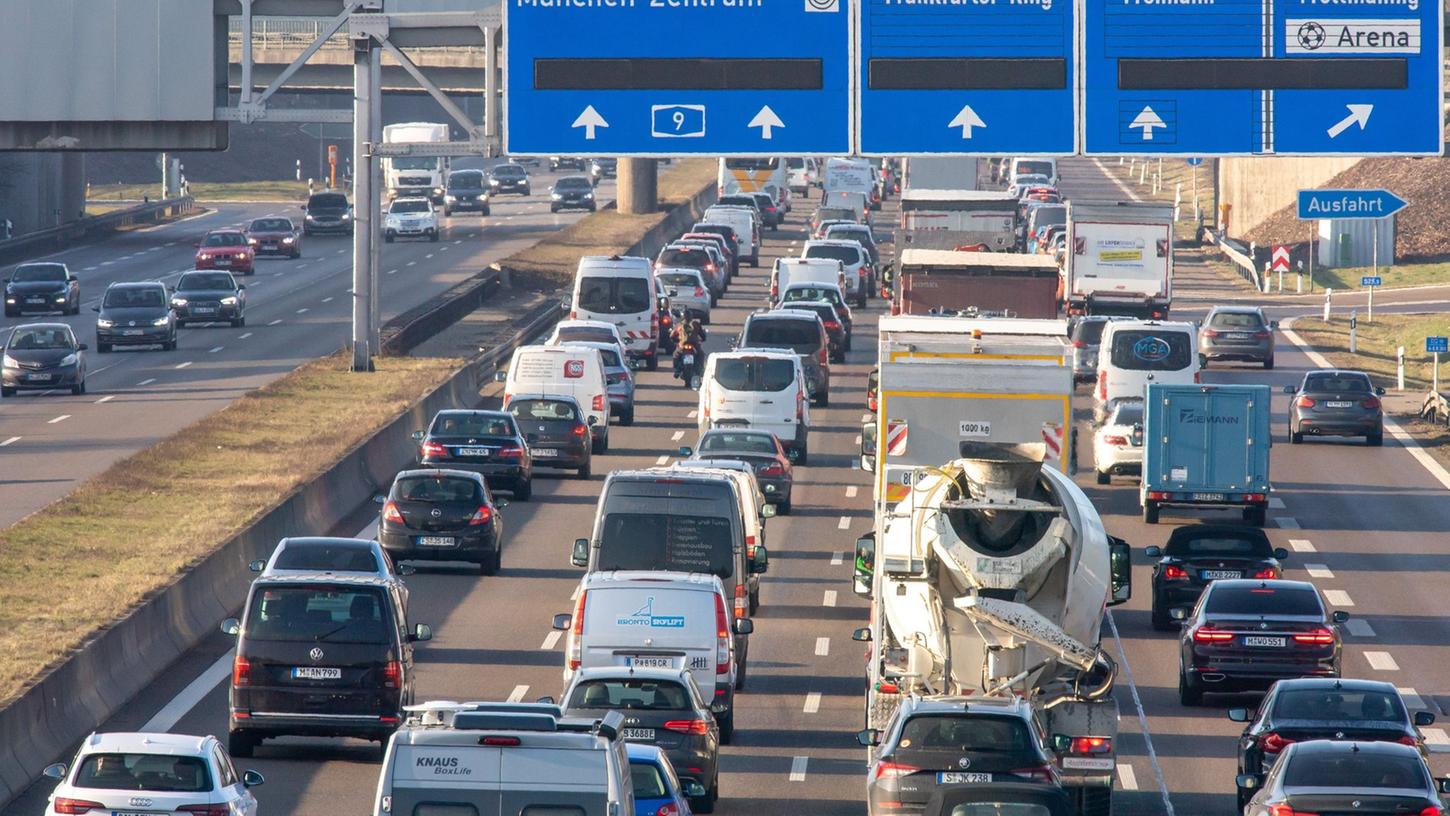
{"x": 689, "y": 364}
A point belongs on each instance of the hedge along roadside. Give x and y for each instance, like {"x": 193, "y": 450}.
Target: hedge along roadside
{"x": 74, "y": 696}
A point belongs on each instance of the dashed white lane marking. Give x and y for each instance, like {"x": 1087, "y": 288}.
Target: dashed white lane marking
{"x": 1301, "y": 545}
{"x": 105, "y": 399}
{"x": 172, "y": 712}
{"x": 411, "y": 263}
{"x": 327, "y": 299}
{"x": 61, "y": 418}
{"x": 426, "y": 257}
{"x": 390, "y": 272}
{"x": 823, "y": 647}
{"x": 245, "y": 336}
{"x": 1338, "y": 597}
{"x": 518, "y": 693}
{"x": 574, "y": 596}
{"x": 1437, "y": 740}
{"x": 677, "y": 436}
{"x": 1287, "y": 522}
{"x": 829, "y": 599}
{"x": 215, "y": 349}
{"x": 551, "y": 640}
{"x": 865, "y": 417}
{"x": 664, "y": 459}
{"x": 692, "y": 414}
{"x": 1381, "y": 661}
{"x": 275, "y": 322}
{"x": 1359, "y": 627}
{"x": 1412, "y": 698}
{"x": 89, "y": 269}
{"x": 813, "y": 703}
{"x": 147, "y": 381}
{"x": 458, "y": 242}
{"x": 837, "y": 558}
{"x": 442, "y": 249}
{"x": 303, "y": 310}
{"x": 340, "y": 251}
{"x": 1127, "y": 670}
{"x": 850, "y": 491}
{"x": 183, "y": 365}
{"x": 1126, "y": 777}
{"x": 844, "y": 523}
{"x": 107, "y": 263}
{"x": 1276, "y": 503}
{"x": 798, "y": 768}
{"x": 1318, "y": 571}
{"x": 857, "y": 440}
{"x": 11, "y": 441}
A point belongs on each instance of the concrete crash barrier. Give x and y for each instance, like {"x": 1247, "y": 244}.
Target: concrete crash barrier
{"x": 91, "y": 227}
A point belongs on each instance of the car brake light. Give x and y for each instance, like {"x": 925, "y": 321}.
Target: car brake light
{"x": 241, "y": 671}
{"x": 500, "y": 741}
{"x": 1318, "y": 637}
{"x": 1198, "y": 376}
{"x": 1288, "y": 810}
{"x": 391, "y": 513}
{"x": 580, "y": 429}
{"x": 1408, "y": 740}
{"x": 772, "y": 469}
{"x": 1267, "y": 572}
{"x": 480, "y": 516}
{"x": 697, "y": 727}
{"x": 1115, "y": 441}
{"x": 1272, "y": 743}
{"x": 821, "y": 355}
{"x": 392, "y": 674}
{"x": 886, "y": 769}
{"x": 1158, "y": 495}
{"x": 1172, "y": 573}
{"x": 433, "y": 449}
{"x": 577, "y": 629}
{"x": 73, "y": 806}
{"x": 742, "y": 603}
{"x": 654, "y": 324}
{"x": 510, "y": 452}
{"x": 598, "y": 403}
{"x": 1208, "y": 634}
{"x": 1431, "y": 810}
{"x": 831, "y": 324}
{"x": 1210, "y": 332}
{"x": 1091, "y": 745}
{"x": 573, "y": 315}
{"x": 1079, "y": 344}
{"x": 722, "y": 636}
{"x": 668, "y": 809}
{"x": 1037, "y": 773}
{"x": 699, "y": 291}
{"x": 1304, "y": 402}
{"x": 1373, "y": 403}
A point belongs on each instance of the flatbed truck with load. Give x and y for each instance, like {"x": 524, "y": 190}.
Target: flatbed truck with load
{"x": 1119, "y": 259}
{"x": 947, "y": 219}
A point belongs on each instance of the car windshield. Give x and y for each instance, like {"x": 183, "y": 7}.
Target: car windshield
{"x": 739, "y": 200}
{"x": 323, "y": 612}
{"x": 1263, "y": 600}
{"x": 630, "y": 693}
{"x": 728, "y": 233}
{"x": 1127, "y": 413}
{"x": 610, "y": 358}
{"x": 324, "y": 557}
{"x": 540, "y": 410}
{"x": 31, "y": 273}
{"x": 1337, "y": 383}
{"x": 680, "y": 279}
{"x": 1236, "y": 320}
{"x": 795, "y": 163}
{"x": 647, "y": 782}
{"x": 1088, "y": 332}
{"x": 1028, "y": 167}
{"x": 725, "y": 441}
{"x": 470, "y": 180}
{"x": 414, "y": 163}
{"x": 824, "y": 310}
{"x": 801, "y": 336}
{"x": 327, "y": 201}
{"x": 1220, "y": 543}
{"x": 849, "y": 233}
{"x": 572, "y": 183}
{"x": 224, "y": 239}
{"x": 437, "y": 489}
{"x": 754, "y": 373}
{"x": 416, "y": 205}
{"x": 956, "y": 734}
{"x": 150, "y": 297}
{"x": 614, "y": 294}
{"x": 663, "y": 541}
{"x": 205, "y": 280}
{"x": 584, "y": 334}
{"x": 1152, "y": 350}
{"x": 471, "y": 424}
{"x": 1345, "y": 768}
{"x": 508, "y": 171}
{"x": 683, "y": 256}
{"x": 845, "y": 254}
{"x": 1338, "y": 704}
{"x": 271, "y": 225}
{"x": 37, "y": 339}
{"x": 161, "y": 773}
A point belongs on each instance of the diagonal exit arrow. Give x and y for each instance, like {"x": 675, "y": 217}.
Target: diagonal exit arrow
{"x": 1358, "y": 115}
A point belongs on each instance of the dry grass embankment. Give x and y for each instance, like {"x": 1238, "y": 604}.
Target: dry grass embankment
{"x": 202, "y": 191}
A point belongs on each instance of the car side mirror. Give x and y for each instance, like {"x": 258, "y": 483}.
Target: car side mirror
{"x": 684, "y": 452}
{"x": 547, "y": 699}
{"x": 869, "y": 736}
{"x": 231, "y": 626}
{"x": 768, "y": 511}
{"x": 302, "y": 207}
{"x": 1424, "y": 718}
{"x": 592, "y": 420}
{"x": 1273, "y": 324}
{"x": 95, "y": 308}
{"x": 82, "y": 347}
{"x": 68, "y": 278}
{"x": 694, "y": 790}
{"x": 1339, "y": 616}
{"x": 760, "y": 561}
{"x": 862, "y": 635}
{"x": 868, "y": 447}
{"x": 1289, "y": 389}
{"x": 500, "y": 502}
{"x": 1379, "y": 390}
{"x": 405, "y": 569}
{"x": 241, "y": 286}
{"x": 252, "y": 779}
{"x": 1443, "y": 785}
{"x": 1120, "y": 565}
{"x": 793, "y": 455}
{"x": 500, "y": 376}
{"x": 380, "y": 499}
{"x": 56, "y": 771}
{"x": 1238, "y": 714}
{"x": 580, "y": 556}
{"x": 1247, "y": 782}
{"x": 1153, "y": 551}
{"x": 743, "y": 626}
{"x": 1281, "y": 553}
{"x": 1178, "y": 613}
{"x": 417, "y": 436}
{"x": 421, "y": 633}
{"x": 562, "y": 622}
{"x": 257, "y": 566}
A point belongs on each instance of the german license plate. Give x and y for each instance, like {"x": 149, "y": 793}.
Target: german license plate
{"x": 270, "y": 247}
{"x": 546, "y": 453}
{"x": 1238, "y": 335}
{"x": 35, "y": 301}
{"x": 1214, "y": 575}
{"x": 40, "y": 377}
{"x": 653, "y": 663}
{"x": 1087, "y": 763}
{"x": 316, "y": 673}
{"x": 1214, "y": 497}
{"x": 1268, "y": 642}
{"x": 962, "y": 778}
{"x": 130, "y": 813}
{"x": 223, "y": 261}
{"x": 688, "y": 359}
{"x": 1339, "y": 404}
{"x": 638, "y": 734}
{"x": 205, "y": 310}
{"x": 435, "y": 541}
{"x": 132, "y": 332}
{"x": 473, "y": 451}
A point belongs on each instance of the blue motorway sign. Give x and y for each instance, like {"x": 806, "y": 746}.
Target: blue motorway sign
{"x": 946, "y": 76}
{"x": 1316, "y": 204}
{"x": 1371, "y": 280}
{"x": 1437, "y": 344}
{"x": 651, "y": 78}
{"x": 1243, "y": 77}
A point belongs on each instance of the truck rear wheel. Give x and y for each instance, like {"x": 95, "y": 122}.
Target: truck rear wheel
{"x": 1150, "y": 513}
{"x": 1256, "y": 516}
{"x": 1095, "y": 801}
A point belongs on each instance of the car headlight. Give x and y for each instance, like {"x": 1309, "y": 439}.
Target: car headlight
{"x": 69, "y": 360}
{"x": 161, "y": 321}
{"x": 103, "y": 323}
{"x": 178, "y": 301}
{"x": 588, "y": 195}
{"x": 205, "y": 256}
{"x": 347, "y": 216}
{"x": 437, "y": 191}
{"x": 289, "y": 239}
{"x": 449, "y": 198}
{"x": 251, "y": 242}
{"x": 60, "y": 298}
{"x": 7, "y": 361}
{"x": 229, "y": 301}
{"x": 309, "y": 217}
{"x": 555, "y": 196}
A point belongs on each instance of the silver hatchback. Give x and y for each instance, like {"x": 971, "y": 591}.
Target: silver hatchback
{"x": 1237, "y": 333}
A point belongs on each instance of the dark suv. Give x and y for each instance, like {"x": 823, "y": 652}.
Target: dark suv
{"x": 801, "y": 332}
{"x": 327, "y": 212}
{"x": 467, "y": 192}
{"x": 135, "y": 314}
{"x": 320, "y": 655}
{"x": 509, "y": 178}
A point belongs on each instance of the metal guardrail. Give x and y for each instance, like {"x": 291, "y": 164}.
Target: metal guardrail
{"x": 56, "y": 237}
{"x": 1242, "y": 260}
{"x": 1435, "y": 408}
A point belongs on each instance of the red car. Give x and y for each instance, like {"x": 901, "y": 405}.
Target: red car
{"x": 225, "y": 249}
{"x": 275, "y": 236}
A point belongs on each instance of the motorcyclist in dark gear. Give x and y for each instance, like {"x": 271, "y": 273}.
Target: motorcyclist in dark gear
{"x": 690, "y": 338}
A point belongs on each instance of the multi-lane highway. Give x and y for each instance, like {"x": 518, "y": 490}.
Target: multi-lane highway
{"x": 297, "y": 310}
{"x": 1366, "y": 525}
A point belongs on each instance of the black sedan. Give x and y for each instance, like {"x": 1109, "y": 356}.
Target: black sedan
{"x": 42, "y": 287}
{"x": 1332, "y": 777}
{"x": 1332, "y": 402}
{"x": 484, "y": 442}
{"x": 135, "y": 314}
{"x": 42, "y": 355}
{"x": 1200, "y": 553}
{"x": 209, "y": 297}
{"x": 442, "y": 515}
{"x": 1313, "y": 708}
{"x": 555, "y": 429}
{"x": 508, "y": 178}
{"x": 1244, "y": 635}
{"x": 759, "y": 449}
{"x": 572, "y": 193}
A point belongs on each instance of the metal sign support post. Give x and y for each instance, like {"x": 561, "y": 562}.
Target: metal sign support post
{"x": 365, "y": 203}
{"x": 1375, "y": 261}
{"x": 375, "y": 235}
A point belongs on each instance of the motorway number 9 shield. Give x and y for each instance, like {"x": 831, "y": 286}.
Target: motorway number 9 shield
{"x": 962, "y": 778}
{"x": 316, "y": 673}
{"x": 1270, "y": 642}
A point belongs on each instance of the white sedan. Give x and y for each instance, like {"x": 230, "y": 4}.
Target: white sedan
{"x": 152, "y": 773}
{"x": 1118, "y": 442}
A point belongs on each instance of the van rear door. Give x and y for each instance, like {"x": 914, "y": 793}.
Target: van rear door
{"x": 756, "y": 392}
{"x": 624, "y": 299}
{"x": 434, "y": 775}
{"x": 667, "y": 626}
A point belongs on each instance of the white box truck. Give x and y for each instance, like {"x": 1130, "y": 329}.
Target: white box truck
{"x": 940, "y": 173}
{"x": 1119, "y": 258}
{"x": 948, "y": 219}
{"x": 416, "y": 176}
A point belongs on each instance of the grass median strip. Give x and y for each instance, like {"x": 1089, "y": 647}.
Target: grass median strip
{"x": 1377, "y": 343}
{"x": 77, "y": 565}
{"x": 1399, "y": 276}
{"x": 280, "y": 190}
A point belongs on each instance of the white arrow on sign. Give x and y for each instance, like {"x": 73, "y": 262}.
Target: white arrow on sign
{"x": 1358, "y": 115}
{"x": 966, "y": 119}
{"x": 589, "y": 119}
{"x": 1146, "y": 120}
{"x": 766, "y": 120}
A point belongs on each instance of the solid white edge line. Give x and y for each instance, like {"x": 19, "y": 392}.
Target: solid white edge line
{"x": 171, "y": 713}
{"x": 1142, "y": 718}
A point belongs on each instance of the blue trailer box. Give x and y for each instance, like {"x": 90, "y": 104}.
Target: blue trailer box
{"x": 1206, "y": 446}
